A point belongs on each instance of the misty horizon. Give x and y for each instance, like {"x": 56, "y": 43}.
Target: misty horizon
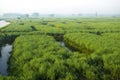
{"x": 106, "y": 7}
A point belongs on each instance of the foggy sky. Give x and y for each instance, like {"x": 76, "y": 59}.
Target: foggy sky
{"x": 60, "y": 6}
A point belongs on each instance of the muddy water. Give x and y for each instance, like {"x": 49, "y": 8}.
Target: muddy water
{"x": 5, "y": 54}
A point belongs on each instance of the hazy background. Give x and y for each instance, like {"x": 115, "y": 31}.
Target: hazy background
{"x": 60, "y": 6}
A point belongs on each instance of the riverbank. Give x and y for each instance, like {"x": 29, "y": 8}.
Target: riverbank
{"x": 3, "y": 24}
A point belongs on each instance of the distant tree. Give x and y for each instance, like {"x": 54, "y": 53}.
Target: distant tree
{"x": 79, "y": 14}
{"x": 35, "y": 15}
{"x": 52, "y": 15}
{"x": 26, "y": 15}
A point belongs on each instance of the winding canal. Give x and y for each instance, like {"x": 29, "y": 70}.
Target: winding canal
{"x": 5, "y": 54}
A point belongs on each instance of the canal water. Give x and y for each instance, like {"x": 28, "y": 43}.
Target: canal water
{"x": 5, "y": 54}
{"x": 63, "y": 44}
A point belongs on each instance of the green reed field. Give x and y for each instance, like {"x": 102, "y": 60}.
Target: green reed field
{"x": 91, "y": 48}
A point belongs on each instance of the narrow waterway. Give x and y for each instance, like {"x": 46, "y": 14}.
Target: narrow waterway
{"x": 59, "y": 39}
{"x": 63, "y": 44}
{"x": 5, "y": 54}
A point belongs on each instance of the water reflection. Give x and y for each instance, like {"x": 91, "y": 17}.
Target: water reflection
{"x": 5, "y": 54}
